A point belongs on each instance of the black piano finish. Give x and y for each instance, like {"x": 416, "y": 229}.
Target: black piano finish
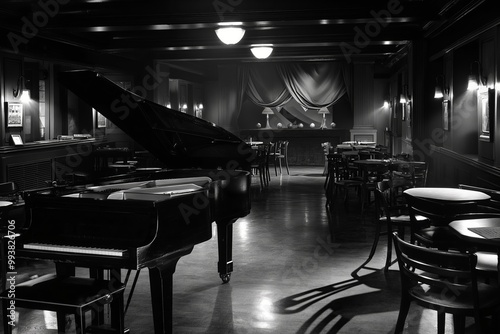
{"x": 146, "y": 230}
{"x": 154, "y": 233}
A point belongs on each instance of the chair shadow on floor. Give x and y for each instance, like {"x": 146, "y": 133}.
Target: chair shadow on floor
{"x": 339, "y": 312}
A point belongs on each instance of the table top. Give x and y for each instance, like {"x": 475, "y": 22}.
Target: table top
{"x": 255, "y": 142}
{"x": 372, "y": 162}
{"x": 463, "y": 230}
{"x": 447, "y": 194}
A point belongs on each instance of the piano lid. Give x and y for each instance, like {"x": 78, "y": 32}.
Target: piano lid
{"x": 175, "y": 138}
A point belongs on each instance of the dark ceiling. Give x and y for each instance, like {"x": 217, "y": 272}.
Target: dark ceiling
{"x": 182, "y": 32}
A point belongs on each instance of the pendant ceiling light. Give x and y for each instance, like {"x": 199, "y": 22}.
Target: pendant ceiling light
{"x": 230, "y": 32}
{"x": 262, "y": 51}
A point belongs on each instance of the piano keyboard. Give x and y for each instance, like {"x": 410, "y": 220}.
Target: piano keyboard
{"x": 76, "y": 249}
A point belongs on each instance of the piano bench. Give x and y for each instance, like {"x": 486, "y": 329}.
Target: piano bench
{"x": 64, "y": 295}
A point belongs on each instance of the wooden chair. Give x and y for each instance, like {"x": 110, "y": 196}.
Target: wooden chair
{"x": 492, "y": 205}
{"x": 259, "y": 165}
{"x": 445, "y": 282}
{"x": 281, "y": 156}
{"x": 344, "y": 180}
{"x": 392, "y": 216}
{"x": 439, "y": 214}
{"x": 66, "y": 295}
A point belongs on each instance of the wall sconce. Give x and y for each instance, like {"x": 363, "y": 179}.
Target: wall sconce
{"x": 476, "y": 79}
{"x": 267, "y": 111}
{"x": 441, "y": 88}
{"x": 25, "y": 93}
{"x": 323, "y": 111}
{"x": 230, "y": 32}
{"x": 198, "y": 110}
{"x": 404, "y": 97}
{"x": 261, "y": 51}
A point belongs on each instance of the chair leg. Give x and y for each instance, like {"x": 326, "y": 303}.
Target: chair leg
{"x": 441, "y": 322}
{"x": 459, "y": 324}
{"x": 388, "y": 259}
{"x": 286, "y": 165}
{"x": 403, "y": 312}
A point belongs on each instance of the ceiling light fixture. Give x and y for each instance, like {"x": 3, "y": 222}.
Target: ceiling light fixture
{"x": 261, "y": 51}
{"x": 230, "y": 32}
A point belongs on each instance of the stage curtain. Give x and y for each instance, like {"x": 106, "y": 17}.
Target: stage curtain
{"x": 314, "y": 85}
{"x": 265, "y": 87}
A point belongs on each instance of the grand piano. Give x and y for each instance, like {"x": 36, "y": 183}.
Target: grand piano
{"x": 144, "y": 219}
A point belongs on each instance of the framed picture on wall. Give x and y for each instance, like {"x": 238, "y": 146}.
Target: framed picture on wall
{"x": 14, "y": 115}
{"x": 485, "y": 100}
{"x": 446, "y": 115}
{"x": 101, "y": 120}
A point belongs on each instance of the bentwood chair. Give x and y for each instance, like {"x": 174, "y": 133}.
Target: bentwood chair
{"x": 343, "y": 181}
{"x": 66, "y": 295}
{"x": 281, "y": 156}
{"x": 445, "y": 282}
{"x": 259, "y": 165}
{"x": 492, "y": 205}
{"x": 439, "y": 214}
{"x": 389, "y": 216}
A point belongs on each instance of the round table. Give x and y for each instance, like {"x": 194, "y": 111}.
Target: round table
{"x": 448, "y": 194}
{"x": 480, "y": 237}
{"x": 487, "y": 233}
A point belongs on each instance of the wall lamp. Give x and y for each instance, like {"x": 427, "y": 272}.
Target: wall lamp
{"x": 230, "y": 32}
{"x": 21, "y": 90}
{"x": 476, "y": 79}
{"x": 441, "y": 88}
{"x": 404, "y": 97}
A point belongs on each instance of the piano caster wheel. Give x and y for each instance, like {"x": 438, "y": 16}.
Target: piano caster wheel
{"x": 225, "y": 278}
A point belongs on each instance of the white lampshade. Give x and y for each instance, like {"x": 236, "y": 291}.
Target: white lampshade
{"x": 25, "y": 96}
{"x": 267, "y": 111}
{"x": 323, "y": 111}
{"x": 472, "y": 84}
{"x": 229, "y": 32}
{"x": 261, "y": 51}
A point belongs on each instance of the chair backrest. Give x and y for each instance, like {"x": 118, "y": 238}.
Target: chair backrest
{"x": 451, "y": 273}
{"x": 492, "y": 205}
{"x": 277, "y": 147}
{"x": 385, "y": 201}
{"x": 284, "y": 148}
{"x": 439, "y": 213}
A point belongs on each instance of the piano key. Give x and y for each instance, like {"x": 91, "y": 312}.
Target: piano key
{"x": 76, "y": 249}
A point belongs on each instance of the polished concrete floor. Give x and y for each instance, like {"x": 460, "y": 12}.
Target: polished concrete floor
{"x": 296, "y": 270}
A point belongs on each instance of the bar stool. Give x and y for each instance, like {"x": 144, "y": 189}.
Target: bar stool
{"x": 65, "y": 295}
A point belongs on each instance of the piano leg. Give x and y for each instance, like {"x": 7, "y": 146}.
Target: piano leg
{"x": 225, "y": 243}
{"x": 64, "y": 270}
{"x": 161, "y": 283}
